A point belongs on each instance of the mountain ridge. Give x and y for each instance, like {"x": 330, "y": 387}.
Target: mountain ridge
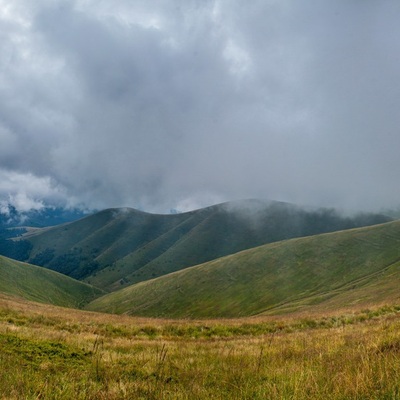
{"x": 117, "y": 247}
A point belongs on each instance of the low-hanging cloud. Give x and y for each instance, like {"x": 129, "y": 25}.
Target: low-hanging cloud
{"x": 163, "y": 105}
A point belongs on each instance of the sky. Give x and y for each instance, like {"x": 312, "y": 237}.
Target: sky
{"x": 181, "y": 104}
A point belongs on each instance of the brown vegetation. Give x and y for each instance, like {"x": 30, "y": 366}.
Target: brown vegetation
{"x": 55, "y": 353}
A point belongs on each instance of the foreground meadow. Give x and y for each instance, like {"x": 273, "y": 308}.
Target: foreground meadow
{"x": 55, "y": 353}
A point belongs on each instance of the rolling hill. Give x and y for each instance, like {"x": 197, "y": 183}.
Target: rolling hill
{"x": 42, "y": 285}
{"x": 328, "y": 271}
{"x": 119, "y": 247}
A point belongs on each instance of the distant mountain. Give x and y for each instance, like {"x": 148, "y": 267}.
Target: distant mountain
{"x": 42, "y": 285}
{"x": 46, "y": 216}
{"x": 14, "y": 223}
{"x": 118, "y": 247}
{"x": 352, "y": 268}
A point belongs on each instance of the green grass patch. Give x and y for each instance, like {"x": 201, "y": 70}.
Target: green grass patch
{"x": 36, "y": 353}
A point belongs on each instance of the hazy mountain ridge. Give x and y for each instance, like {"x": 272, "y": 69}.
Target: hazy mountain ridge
{"x": 118, "y": 247}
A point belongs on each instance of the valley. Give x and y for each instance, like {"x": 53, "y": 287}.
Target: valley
{"x": 230, "y": 260}
{"x": 358, "y": 266}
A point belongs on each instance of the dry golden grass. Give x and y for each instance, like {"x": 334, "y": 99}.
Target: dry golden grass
{"x": 55, "y": 353}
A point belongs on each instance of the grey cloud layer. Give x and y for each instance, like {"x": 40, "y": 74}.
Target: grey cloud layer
{"x": 177, "y": 104}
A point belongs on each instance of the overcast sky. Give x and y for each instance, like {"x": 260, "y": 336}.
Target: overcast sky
{"x": 181, "y": 104}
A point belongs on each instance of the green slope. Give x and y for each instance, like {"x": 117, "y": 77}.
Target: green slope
{"x": 42, "y": 285}
{"x": 336, "y": 269}
{"x": 118, "y": 247}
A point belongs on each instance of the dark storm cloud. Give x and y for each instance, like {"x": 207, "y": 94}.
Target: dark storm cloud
{"x": 177, "y": 104}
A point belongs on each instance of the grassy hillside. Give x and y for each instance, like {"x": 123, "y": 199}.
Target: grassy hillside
{"x": 42, "y": 285}
{"x": 118, "y": 247}
{"x": 52, "y": 353}
{"x": 329, "y": 270}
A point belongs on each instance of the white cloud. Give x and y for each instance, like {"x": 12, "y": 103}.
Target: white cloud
{"x": 27, "y": 191}
{"x": 163, "y": 105}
